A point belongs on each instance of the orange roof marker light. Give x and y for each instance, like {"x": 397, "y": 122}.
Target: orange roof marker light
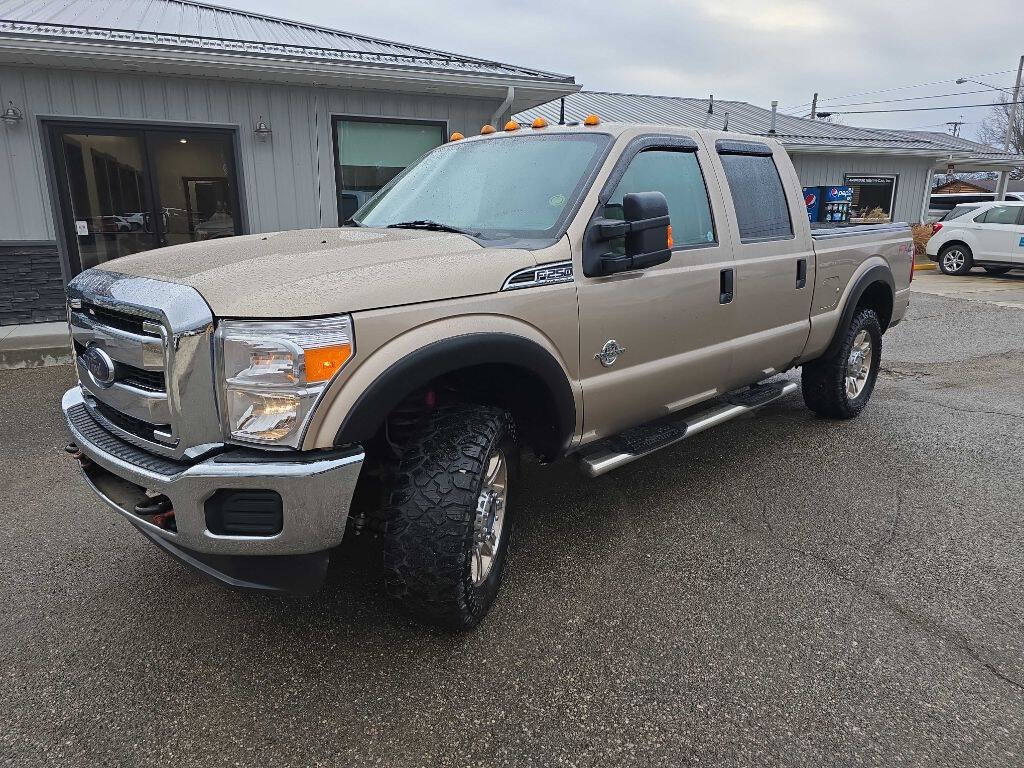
{"x": 539, "y": 122}
{"x": 488, "y": 128}
{"x": 456, "y": 136}
{"x": 592, "y": 120}
{"x": 511, "y": 125}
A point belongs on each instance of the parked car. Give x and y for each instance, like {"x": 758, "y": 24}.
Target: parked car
{"x": 989, "y": 235}
{"x": 247, "y": 410}
{"x": 939, "y": 204}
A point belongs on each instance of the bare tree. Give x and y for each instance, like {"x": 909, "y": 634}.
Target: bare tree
{"x": 993, "y": 130}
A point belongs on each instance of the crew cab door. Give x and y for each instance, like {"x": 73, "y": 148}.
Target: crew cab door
{"x": 668, "y": 320}
{"x": 774, "y": 257}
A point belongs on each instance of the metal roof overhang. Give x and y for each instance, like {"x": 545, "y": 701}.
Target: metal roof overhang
{"x": 233, "y": 65}
{"x": 939, "y": 158}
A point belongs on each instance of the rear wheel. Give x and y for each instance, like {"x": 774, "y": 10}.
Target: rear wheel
{"x": 839, "y": 386}
{"x": 449, "y": 521}
{"x": 956, "y": 259}
{"x": 997, "y": 270}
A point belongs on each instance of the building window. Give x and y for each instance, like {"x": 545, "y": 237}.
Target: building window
{"x": 370, "y": 153}
{"x": 125, "y": 190}
{"x": 874, "y": 197}
{"x": 762, "y": 212}
{"x": 676, "y": 175}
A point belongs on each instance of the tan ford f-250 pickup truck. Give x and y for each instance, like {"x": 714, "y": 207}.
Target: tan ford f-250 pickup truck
{"x": 589, "y": 291}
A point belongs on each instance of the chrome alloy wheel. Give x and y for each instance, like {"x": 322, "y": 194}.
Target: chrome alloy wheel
{"x": 858, "y": 365}
{"x": 953, "y": 260}
{"x": 490, "y": 517}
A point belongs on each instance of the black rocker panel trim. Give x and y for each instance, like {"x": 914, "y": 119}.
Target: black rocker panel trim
{"x": 449, "y": 355}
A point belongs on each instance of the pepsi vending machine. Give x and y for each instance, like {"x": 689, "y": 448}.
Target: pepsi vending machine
{"x": 828, "y": 204}
{"x": 835, "y": 204}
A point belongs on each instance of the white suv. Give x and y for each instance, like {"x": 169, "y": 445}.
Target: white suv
{"x": 989, "y": 235}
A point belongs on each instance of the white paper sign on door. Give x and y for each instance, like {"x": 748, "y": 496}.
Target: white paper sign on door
{"x": 82, "y": 227}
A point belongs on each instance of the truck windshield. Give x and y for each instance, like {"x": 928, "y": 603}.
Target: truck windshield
{"x": 509, "y": 186}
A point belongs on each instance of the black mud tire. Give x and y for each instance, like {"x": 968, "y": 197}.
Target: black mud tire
{"x": 946, "y": 265}
{"x": 997, "y": 270}
{"x": 824, "y": 380}
{"x": 432, "y": 497}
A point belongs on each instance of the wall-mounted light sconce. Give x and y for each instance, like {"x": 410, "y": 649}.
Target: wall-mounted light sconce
{"x": 262, "y": 130}
{"x": 12, "y": 115}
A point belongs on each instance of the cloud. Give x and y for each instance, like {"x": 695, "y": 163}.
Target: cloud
{"x": 749, "y": 50}
{"x": 767, "y": 17}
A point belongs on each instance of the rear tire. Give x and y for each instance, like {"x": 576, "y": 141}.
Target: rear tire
{"x": 838, "y": 387}
{"x": 956, "y": 259}
{"x": 997, "y": 270}
{"x": 449, "y": 521}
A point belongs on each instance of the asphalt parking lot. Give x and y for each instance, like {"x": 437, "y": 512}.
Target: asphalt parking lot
{"x": 782, "y": 590}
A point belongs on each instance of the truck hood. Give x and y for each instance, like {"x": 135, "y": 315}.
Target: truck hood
{"x": 327, "y": 271}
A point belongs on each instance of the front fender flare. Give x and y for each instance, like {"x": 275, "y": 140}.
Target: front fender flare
{"x": 422, "y": 365}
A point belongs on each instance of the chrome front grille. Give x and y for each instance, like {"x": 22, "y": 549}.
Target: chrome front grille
{"x": 144, "y": 355}
{"x": 122, "y": 321}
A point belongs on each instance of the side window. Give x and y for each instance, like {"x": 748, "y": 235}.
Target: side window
{"x": 677, "y": 176}
{"x": 762, "y": 212}
{"x": 1000, "y": 214}
{"x": 957, "y": 212}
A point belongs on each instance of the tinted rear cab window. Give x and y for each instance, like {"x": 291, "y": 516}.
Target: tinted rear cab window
{"x": 762, "y": 212}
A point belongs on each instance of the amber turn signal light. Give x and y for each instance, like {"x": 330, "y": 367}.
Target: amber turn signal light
{"x": 592, "y": 120}
{"x": 323, "y": 362}
{"x": 669, "y": 238}
{"x": 456, "y": 136}
{"x": 539, "y": 122}
{"x": 511, "y": 125}
{"x": 487, "y": 129}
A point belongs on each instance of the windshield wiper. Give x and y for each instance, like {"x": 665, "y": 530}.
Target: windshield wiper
{"x": 350, "y": 223}
{"x": 434, "y": 226}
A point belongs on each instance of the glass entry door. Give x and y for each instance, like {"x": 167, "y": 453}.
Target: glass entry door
{"x": 125, "y": 191}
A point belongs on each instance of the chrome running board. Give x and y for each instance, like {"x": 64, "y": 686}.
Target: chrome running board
{"x": 619, "y": 450}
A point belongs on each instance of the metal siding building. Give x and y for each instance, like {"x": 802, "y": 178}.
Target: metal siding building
{"x": 287, "y": 182}
{"x": 824, "y": 153}
{"x": 913, "y": 176}
{"x": 116, "y": 79}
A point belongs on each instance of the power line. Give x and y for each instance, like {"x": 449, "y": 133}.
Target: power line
{"x": 936, "y": 125}
{"x": 897, "y": 88}
{"x": 920, "y": 98}
{"x": 917, "y": 109}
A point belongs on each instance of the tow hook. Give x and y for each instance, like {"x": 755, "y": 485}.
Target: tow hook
{"x": 158, "y": 508}
{"x": 76, "y": 453}
{"x": 153, "y": 505}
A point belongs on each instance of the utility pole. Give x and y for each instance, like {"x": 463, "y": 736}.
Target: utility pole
{"x": 814, "y": 107}
{"x": 1011, "y": 119}
{"x": 1007, "y": 144}
{"x": 954, "y": 127}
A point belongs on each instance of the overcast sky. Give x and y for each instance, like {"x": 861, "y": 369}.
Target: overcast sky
{"x": 749, "y": 50}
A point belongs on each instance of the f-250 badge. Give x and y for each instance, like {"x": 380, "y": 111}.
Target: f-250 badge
{"x": 609, "y": 353}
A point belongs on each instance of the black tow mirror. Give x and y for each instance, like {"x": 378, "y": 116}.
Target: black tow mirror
{"x": 647, "y": 232}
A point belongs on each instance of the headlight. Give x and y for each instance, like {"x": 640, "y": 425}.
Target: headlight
{"x": 273, "y": 373}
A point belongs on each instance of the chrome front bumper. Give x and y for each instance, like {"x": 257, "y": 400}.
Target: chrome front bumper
{"x": 316, "y": 490}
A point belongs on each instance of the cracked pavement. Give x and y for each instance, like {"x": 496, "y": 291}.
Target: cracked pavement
{"x": 782, "y": 590}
